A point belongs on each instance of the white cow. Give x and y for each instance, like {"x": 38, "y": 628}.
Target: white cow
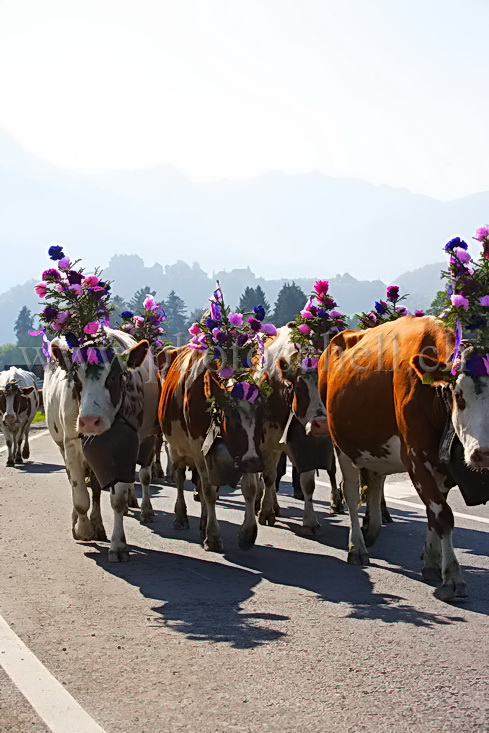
{"x": 19, "y": 402}
{"x": 83, "y": 399}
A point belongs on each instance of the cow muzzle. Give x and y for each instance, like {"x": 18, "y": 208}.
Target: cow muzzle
{"x": 91, "y": 425}
{"x": 479, "y": 458}
{"x": 10, "y": 419}
{"x": 318, "y": 427}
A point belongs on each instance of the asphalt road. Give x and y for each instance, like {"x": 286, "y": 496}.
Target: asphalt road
{"x": 285, "y": 637}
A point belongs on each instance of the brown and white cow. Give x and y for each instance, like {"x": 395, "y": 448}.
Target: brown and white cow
{"x": 187, "y": 385}
{"x": 19, "y": 402}
{"x": 383, "y": 418}
{"x": 293, "y": 390}
{"x": 83, "y": 399}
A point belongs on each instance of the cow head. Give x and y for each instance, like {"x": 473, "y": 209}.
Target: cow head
{"x": 241, "y": 425}
{"x": 13, "y": 402}
{"x": 301, "y": 386}
{"x": 470, "y": 400}
{"x": 99, "y": 387}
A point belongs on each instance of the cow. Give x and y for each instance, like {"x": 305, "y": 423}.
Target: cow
{"x": 83, "y": 399}
{"x": 190, "y": 390}
{"x": 19, "y": 402}
{"x": 294, "y": 390}
{"x": 383, "y": 418}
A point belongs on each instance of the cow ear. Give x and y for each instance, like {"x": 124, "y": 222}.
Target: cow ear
{"x": 431, "y": 371}
{"x": 212, "y": 389}
{"x": 27, "y": 390}
{"x": 60, "y": 355}
{"x": 164, "y": 360}
{"x": 137, "y": 354}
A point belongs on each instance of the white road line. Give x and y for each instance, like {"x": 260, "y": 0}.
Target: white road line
{"x": 53, "y": 704}
{"x": 41, "y": 434}
{"x": 419, "y": 507}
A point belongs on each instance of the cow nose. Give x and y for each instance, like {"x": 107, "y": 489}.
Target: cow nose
{"x": 319, "y": 426}
{"x": 480, "y": 458}
{"x": 90, "y": 424}
{"x": 9, "y": 418}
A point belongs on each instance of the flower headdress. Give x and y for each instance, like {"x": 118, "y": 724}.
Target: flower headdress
{"x": 316, "y": 324}
{"x": 386, "y": 310}
{"x": 466, "y": 297}
{"x": 78, "y": 307}
{"x": 146, "y": 323}
{"x": 231, "y": 341}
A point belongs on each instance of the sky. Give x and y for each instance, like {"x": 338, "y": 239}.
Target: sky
{"x": 392, "y": 92}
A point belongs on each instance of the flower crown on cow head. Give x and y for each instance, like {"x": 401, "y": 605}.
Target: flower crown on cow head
{"x": 232, "y": 342}
{"x": 466, "y": 303}
{"x": 316, "y": 324}
{"x": 77, "y": 307}
{"x": 386, "y": 310}
{"x": 146, "y": 323}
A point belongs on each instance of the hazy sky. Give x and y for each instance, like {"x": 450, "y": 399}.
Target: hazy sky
{"x": 390, "y": 91}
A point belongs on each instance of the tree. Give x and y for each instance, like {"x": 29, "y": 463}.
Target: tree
{"x": 120, "y": 305}
{"x": 137, "y": 300}
{"x": 251, "y": 297}
{"x": 176, "y": 315}
{"x": 196, "y": 315}
{"x": 290, "y": 301}
{"x": 438, "y": 304}
{"x": 24, "y": 324}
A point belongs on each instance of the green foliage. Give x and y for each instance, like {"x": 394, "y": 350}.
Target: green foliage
{"x": 437, "y": 304}
{"x": 24, "y": 324}
{"x": 251, "y": 297}
{"x": 176, "y": 314}
{"x": 317, "y": 322}
{"x": 137, "y": 300}
{"x": 290, "y": 301}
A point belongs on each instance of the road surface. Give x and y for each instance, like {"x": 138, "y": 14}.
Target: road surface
{"x": 285, "y": 637}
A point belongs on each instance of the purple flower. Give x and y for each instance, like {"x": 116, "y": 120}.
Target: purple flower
{"x": 459, "y": 301}
{"x": 255, "y": 324}
{"x": 226, "y": 372}
{"x": 74, "y": 278}
{"x": 304, "y": 329}
{"x": 402, "y": 310}
{"x": 456, "y": 242}
{"x": 481, "y": 233}
{"x": 211, "y": 323}
{"x": 418, "y": 314}
{"x": 41, "y": 289}
{"x": 149, "y": 303}
{"x": 91, "y": 327}
{"x": 484, "y": 300}
{"x": 49, "y": 313}
{"x": 242, "y": 339}
{"x": 64, "y": 263}
{"x": 306, "y": 313}
{"x": 461, "y": 254}
{"x": 393, "y": 293}
{"x": 269, "y": 329}
{"x": 51, "y": 274}
{"x": 381, "y": 307}
{"x": 72, "y": 340}
{"x": 55, "y": 252}
{"x": 236, "y": 319}
{"x": 259, "y": 312}
{"x": 321, "y": 287}
{"x": 127, "y": 314}
{"x": 322, "y": 313}
{"x": 194, "y": 329}
{"x": 336, "y": 314}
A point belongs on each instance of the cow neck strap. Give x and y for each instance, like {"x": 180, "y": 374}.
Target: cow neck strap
{"x": 448, "y": 433}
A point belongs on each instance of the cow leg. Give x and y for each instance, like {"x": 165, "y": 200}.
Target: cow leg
{"x": 372, "y": 523}
{"x": 95, "y": 514}
{"x": 132, "y": 499}
{"x": 170, "y": 473}
{"x": 17, "y": 446}
{"x": 10, "y": 448}
{"x": 431, "y": 557}
{"x": 212, "y": 541}
{"x": 259, "y": 493}
{"x": 310, "y": 524}
{"x": 26, "y": 450}
{"x": 336, "y": 499}
{"x": 357, "y": 550}
{"x": 181, "y": 518}
{"x": 248, "y": 530}
{"x": 81, "y": 525}
{"x": 118, "y": 550}
{"x": 269, "y": 505}
{"x": 147, "y": 514}
{"x": 429, "y": 486}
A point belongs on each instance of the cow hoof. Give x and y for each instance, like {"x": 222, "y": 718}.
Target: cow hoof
{"x": 276, "y": 509}
{"x": 132, "y": 502}
{"x": 309, "y": 530}
{"x": 247, "y": 538}
{"x": 431, "y": 575}
{"x": 182, "y": 524}
{"x": 118, "y": 555}
{"x": 214, "y": 545}
{"x": 298, "y": 495}
{"x": 266, "y": 518}
{"x": 386, "y": 517}
{"x": 336, "y": 508}
{"x": 10, "y": 462}
{"x": 18, "y": 460}
{"x": 26, "y": 453}
{"x": 451, "y": 591}
{"x": 358, "y": 558}
{"x": 83, "y": 530}
{"x": 147, "y": 517}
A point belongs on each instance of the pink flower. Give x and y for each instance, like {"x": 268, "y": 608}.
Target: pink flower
{"x": 459, "y": 301}
{"x": 77, "y": 289}
{"x": 127, "y": 327}
{"x": 194, "y": 329}
{"x": 63, "y": 316}
{"x": 402, "y": 310}
{"x": 306, "y": 313}
{"x": 481, "y": 233}
{"x": 41, "y": 289}
{"x": 484, "y": 300}
{"x": 226, "y": 372}
{"x": 321, "y": 287}
{"x": 92, "y": 356}
{"x": 269, "y": 328}
{"x": 149, "y": 303}
{"x": 138, "y": 321}
{"x": 461, "y": 254}
{"x": 236, "y": 319}
{"x": 61, "y": 322}
{"x": 91, "y": 327}
{"x": 335, "y": 314}
{"x": 304, "y": 329}
{"x": 60, "y": 287}
{"x": 64, "y": 263}
{"x": 91, "y": 281}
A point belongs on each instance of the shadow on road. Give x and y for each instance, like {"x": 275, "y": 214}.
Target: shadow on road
{"x": 33, "y": 467}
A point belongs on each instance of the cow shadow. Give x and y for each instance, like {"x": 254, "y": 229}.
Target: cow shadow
{"x": 34, "y": 467}
{"x": 198, "y": 598}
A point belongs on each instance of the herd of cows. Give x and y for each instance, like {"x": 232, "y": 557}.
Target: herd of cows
{"x": 380, "y": 400}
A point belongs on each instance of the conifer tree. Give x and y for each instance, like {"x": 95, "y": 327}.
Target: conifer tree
{"x": 290, "y": 301}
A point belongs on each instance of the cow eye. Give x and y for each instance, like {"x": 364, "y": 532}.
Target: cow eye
{"x": 459, "y": 399}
